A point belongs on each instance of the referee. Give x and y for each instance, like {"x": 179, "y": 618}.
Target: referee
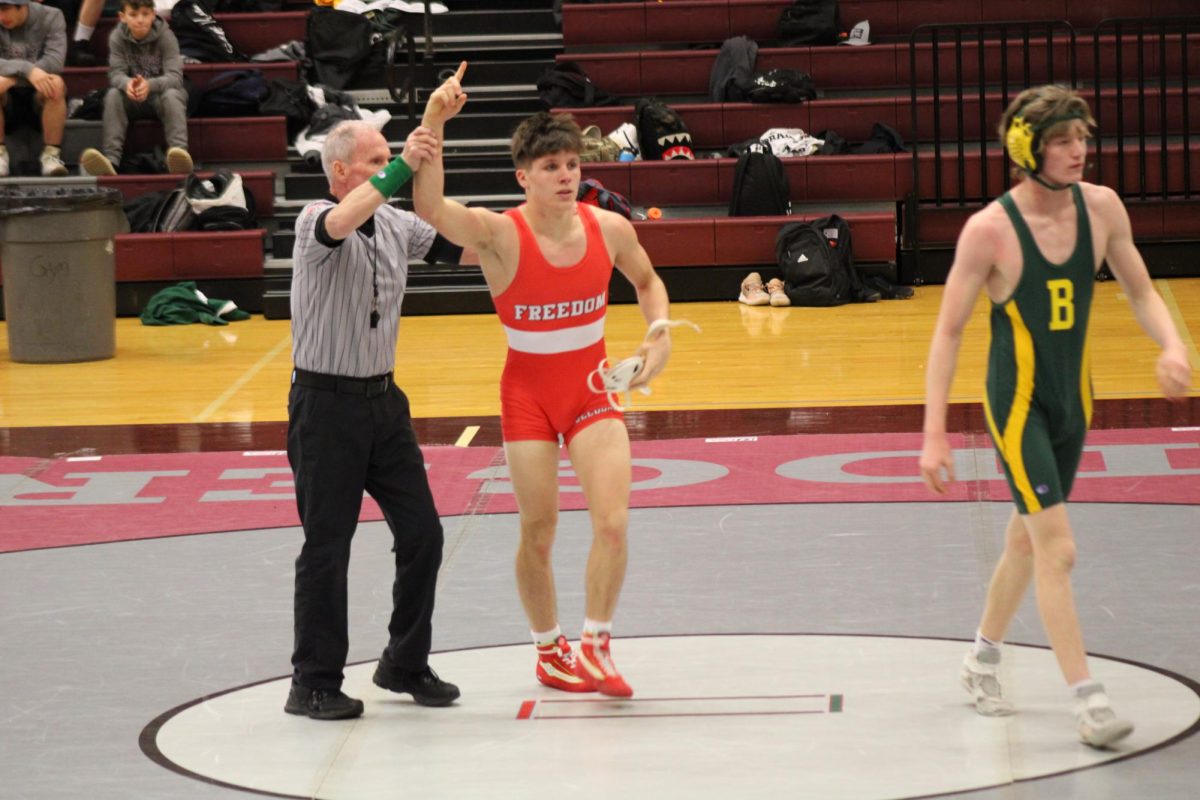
{"x": 349, "y": 425}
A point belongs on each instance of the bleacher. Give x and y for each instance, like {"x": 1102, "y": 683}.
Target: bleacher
{"x": 945, "y": 86}
{"x": 905, "y": 210}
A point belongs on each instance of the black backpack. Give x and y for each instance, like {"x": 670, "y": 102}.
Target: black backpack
{"x": 781, "y": 86}
{"x": 289, "y": 99}
{"x": 817, "y": 261}
{"x": 228, "y": 216}
{"x": 884, "y": 139}
{"x": 200, "y": 36}
{"x": 733, "y": 70}
{"x": 662, "y": 133}
{"x": 760, "y": 186}
{"x": 165, "y": 211}
{"x": 338, "y": 44}
{"x": 236, "y": 93}
{"x": 812, "y": 22}
{"x": 566, "y": 85}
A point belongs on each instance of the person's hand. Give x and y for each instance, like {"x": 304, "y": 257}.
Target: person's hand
{"x": 49, "y": 86}
{"x": 656, "y": 351}
{"x": 1174, "y": 374}
{"x": 446, "y": 100}
{"x": 420, "y": 146}
{"x": 7, "y": 83}
{"x": 139, "y": 89}
{"x": 936, "y": 457}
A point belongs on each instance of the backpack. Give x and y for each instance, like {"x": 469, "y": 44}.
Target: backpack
{"x": 817, "y": 262}
{"x": 813, "y": 22}
{"x": 781, "y": 86}
{"x": 733, "y": 70}
{"x": 834, "y": 145}
{"x": 593, "y": 192}
{"x": 884, "y": 139}
{"x": 661, "y": 131}
{"x": 760, "y": 186}
{"x": 145, "y": 162}
{"x": 164, "y": 211}
{"x": 338, "y": 44}
{"x": 235, "y": 93}
{"x": 200, "y": 37}
{"x": 566, "y": 85}
{"x": 289, "y": 99}
{"x": 220, "y": 202}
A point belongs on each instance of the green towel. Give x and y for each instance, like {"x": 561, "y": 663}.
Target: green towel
{"x": 183, "y": 304}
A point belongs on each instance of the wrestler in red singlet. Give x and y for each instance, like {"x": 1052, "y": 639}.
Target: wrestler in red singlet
{"x": 554, "y": 320}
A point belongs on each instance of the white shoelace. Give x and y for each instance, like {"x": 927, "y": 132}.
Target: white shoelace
{"x": 615, "y": 379}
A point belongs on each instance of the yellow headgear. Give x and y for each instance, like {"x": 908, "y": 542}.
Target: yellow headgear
{"x": 1024, "y": 138}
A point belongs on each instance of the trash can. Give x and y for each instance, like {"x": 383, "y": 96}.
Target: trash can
{"x": 60, "y": 293}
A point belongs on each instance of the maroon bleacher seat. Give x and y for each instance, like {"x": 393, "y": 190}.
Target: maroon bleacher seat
{"x": 727, "y": 241}
{"x": 220, "y": 138}
{"x": 715, "y": 20}
{"x": 189, "y": 255}
{"x": 81, "y": 80}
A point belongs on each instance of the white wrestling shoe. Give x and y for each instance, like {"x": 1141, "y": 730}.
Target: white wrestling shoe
{"x": 615, "y": 379}
{"x": 1099, "y": 726}
{"x": 980, "y": 680}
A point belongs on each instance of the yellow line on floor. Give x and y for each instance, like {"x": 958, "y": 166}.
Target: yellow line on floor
{"x": 245, "y": 378}
{"x": 1164, "y": 289}
{"x": 467, "y": 435}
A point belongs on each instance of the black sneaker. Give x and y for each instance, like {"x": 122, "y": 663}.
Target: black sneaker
{"x": 79, "y": 54}
{"x": 322, "y": 703}
{"x": 424, "y": 685}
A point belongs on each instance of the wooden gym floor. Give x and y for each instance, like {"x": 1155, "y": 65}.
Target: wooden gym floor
{"x": 752, "y": 369}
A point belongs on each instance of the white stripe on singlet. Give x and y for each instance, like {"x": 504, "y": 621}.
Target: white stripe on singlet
{"x": 563, "y": 340}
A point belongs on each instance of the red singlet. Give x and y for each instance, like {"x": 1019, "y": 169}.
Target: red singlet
{"x": 554, "y": 320}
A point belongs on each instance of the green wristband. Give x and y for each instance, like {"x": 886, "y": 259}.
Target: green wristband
{"x": 389, "y": 179}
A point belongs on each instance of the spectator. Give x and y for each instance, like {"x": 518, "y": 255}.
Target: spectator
{"x": 145, "y": 71}
{"x": 33, "y": 43}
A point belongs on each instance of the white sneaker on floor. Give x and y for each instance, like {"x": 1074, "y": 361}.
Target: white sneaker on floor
{"x": 981, "y": 682}
{"x": 1099, "y": 726}
{"x": 52, "y": 166}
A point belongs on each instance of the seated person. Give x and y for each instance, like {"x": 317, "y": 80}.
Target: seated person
{"x": 81, "y": 16}
{"x": 145, "y": 71}
{"x": 33, "y": 43}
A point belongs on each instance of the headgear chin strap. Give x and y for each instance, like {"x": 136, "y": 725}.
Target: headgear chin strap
{"x": 1024, "y": 139}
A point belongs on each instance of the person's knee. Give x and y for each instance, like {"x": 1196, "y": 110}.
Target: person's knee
{"x": 609, "y": 527}
{"x": 537, "y": 534}
{"x": 1057, "y": 555}
{"x": 113, "y": 100}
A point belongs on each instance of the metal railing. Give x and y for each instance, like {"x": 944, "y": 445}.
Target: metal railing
{"x": 1161, "y": 45}
{"x": 1008, "y": 56}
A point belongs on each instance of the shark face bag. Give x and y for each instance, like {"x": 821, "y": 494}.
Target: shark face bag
{"x": 661, "y": 131}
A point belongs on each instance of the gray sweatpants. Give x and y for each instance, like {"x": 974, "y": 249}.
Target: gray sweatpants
{"x": 169, "y": 106}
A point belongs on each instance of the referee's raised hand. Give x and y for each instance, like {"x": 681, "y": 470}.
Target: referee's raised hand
{"x": 446, "y": 100}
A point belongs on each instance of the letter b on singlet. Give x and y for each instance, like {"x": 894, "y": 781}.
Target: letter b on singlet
{"x": 1062, "y": 304}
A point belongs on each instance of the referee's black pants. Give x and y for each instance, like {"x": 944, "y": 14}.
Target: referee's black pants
{"x": 340, "y": 444}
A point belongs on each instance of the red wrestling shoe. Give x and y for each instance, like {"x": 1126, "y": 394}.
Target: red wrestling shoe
{"x": 595, "y": 666}
{"x": 556, "y": 668}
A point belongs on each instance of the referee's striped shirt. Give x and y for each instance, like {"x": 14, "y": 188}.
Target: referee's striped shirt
{"x": 331, "y": 290}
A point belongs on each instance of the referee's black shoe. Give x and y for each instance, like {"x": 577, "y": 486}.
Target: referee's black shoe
{"x": 322, "y": 703}
{"x": 424, "y": 685}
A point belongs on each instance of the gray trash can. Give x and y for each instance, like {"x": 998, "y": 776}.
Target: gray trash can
{"x": 60, "y": 293}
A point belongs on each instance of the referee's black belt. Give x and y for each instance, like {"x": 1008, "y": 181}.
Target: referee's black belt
{"x": 370, "y": 387}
